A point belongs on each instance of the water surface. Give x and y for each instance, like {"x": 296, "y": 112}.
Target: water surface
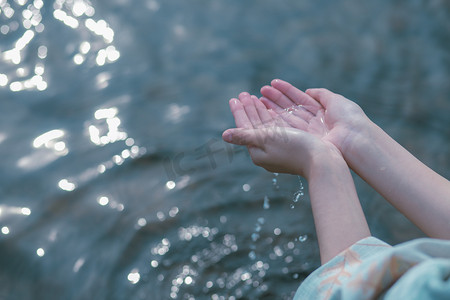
{"x": 115, "y": 183}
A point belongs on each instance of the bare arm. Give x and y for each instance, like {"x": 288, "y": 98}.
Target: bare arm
{"x": 421, "y": 194}
{"x": 338, "y": 215}
{"x": 415, "y": 190}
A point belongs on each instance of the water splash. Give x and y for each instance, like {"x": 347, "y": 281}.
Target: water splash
{"x": 298, "y": 194}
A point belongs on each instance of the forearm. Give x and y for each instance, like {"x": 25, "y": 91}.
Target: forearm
{"x": 338, "y": 217}
{"x": 418, "y": 192}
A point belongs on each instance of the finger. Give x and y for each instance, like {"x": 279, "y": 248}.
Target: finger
{"x": 301, "y": 112}
{"x": 271, "y": 105}
{"x": 240, "y": 116}
{"x": 264, "y": 114}
{"x": 287, "y": 105}
{"x": 277, "y": 120}
{"x": 321, "y": 95}
{"x": 250, "y": 109}
{"x": 296, "y": 96}
{"x": 276, "y": 96}
{"x": 296, "y": 118}
{"x": 244, "y": 137}
{"x": 294, "y": 121}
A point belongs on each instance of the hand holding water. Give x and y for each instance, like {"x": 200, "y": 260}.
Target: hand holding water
{"x": 327, "y": 115}
{"x": 295, "y": 144}
{"x": 277, "y": 143}
{"x": 414, "y": 189}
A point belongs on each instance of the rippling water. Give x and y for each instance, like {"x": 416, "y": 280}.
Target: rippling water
{"x": 115, "y": 183}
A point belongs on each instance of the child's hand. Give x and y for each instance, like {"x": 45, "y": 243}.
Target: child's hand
{"x": 329, "y": 116}
{"x": 274, "y": 143}
{"x": 293, "y": 142}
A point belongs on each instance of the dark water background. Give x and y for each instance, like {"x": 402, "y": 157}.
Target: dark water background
{"x": 114, "y": 181}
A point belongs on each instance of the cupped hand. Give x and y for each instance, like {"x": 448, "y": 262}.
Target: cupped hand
{"x": 278, "y": 144}
{"x": 329, "y": 116}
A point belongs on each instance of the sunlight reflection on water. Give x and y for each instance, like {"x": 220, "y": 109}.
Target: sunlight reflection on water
{"x": 111, "y": 114}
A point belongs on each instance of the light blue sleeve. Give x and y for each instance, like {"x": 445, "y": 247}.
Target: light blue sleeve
{"x": 371, "y": 269}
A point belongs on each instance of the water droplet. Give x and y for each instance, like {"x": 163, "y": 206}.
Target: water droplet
{"x": 297, "y": 196}
{"x": 291, "y": 109}
{"x": 266, "y": 204}
{"x": 303, "y": 238}
{"x": 292, "y": 206}
{"x": 255, "y": 236}
{"x": 275, "y": 181}
{"x": 252, "y": 255}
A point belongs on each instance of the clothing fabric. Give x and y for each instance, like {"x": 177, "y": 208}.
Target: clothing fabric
{"x": 372, "y": 269}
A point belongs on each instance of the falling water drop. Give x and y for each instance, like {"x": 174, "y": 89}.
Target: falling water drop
{"x": 275, "y": 182}
{"x": 266, "y": 204}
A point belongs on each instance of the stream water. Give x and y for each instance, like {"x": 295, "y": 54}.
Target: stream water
{"x": 114, "y": 181}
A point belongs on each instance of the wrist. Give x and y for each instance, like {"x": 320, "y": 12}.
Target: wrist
{"x": 325, "y": 161}
{"x": 359, "y": 140}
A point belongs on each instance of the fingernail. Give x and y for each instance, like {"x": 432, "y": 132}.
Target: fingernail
{"x": 243, "y": 95}
{"x": 227, "y": 136}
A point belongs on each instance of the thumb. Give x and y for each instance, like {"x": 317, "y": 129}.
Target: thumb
{"x": 321, "y": 95}
{"x": 241, "y": 136}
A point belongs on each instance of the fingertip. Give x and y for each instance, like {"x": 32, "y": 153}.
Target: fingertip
{"x": 279, "y": 83}
{"x": 236, "y": 136}
{"x": 318, "y": 90}
{"x": 265, "y": 87}
{"x": 243, "y": 95}
{"x": 234, "y": 104}
{"x": 233, "y": 101}
{"x": 275, "y": 81}
{"x": 321, "y": 95}
{"x": 313, "y": 91}
{"x": 227, "y": 135}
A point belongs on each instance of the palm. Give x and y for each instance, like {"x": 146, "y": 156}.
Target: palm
{"x": 332, "y": 119}
{"x": 274, "y": 138}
